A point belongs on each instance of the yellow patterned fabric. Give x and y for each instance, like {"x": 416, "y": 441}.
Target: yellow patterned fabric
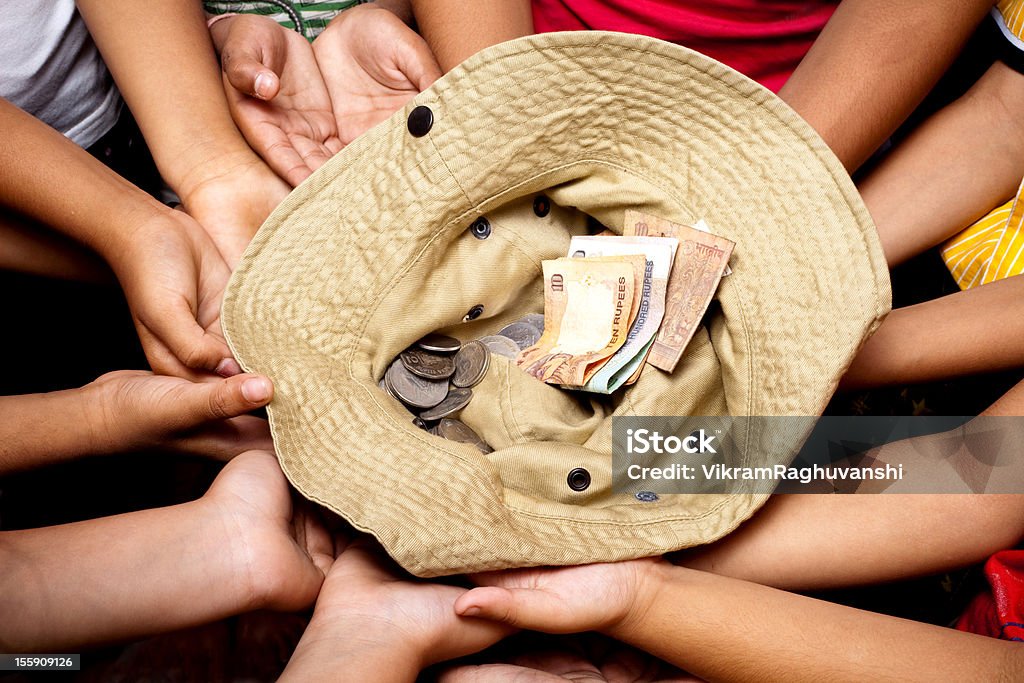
{"x": 989, "y": 250}
{"x": 993, "y": 248}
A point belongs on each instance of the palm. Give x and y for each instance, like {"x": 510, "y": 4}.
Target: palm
{"x": 364, "y": 586}
{"x": 292, "y": 127}
{"x": 276, "y": 538}
{"x": 372, "y": 65}
{"x": 584, "y": 598}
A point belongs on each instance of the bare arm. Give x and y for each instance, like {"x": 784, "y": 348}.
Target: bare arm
{"x": 969, "y": 332}
{"x": 162, "y": 58}
{"x": 728, "y": 630}
{"x": 957, "y": 166}
{"x": 36, "y": 250}
{"x": 240, "y": 547}
{"x": 722, "y": 629}
{"x": 458, "y": 29}
{"x": 873, "y": 64}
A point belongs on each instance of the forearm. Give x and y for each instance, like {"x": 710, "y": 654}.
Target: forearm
{"x": 355, "y": 651}
{"x": 37, "y": 250}
{"x": 400, "y": 8}
{"x": 51, "y": 180}
{"x": 115, "y": 578}
{"x": 162, "y": 59}
{"x": 458, "y": 29}
{"x": 42, "y": 429}
{"x": 873, "y": 64}
{"x": 817, "y": 542}
{"x": 726, "y": 630}
{"x": 960, "y": 164}
{"x": 970, "y": 332}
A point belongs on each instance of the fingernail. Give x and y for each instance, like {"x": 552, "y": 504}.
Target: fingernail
{"x": 256, "y": 389}
{"x": 228, "y": 367}
{"x": 471, "y": 611}
{"x": 260, "y": 92}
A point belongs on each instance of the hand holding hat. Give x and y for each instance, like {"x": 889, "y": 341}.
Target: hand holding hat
{"x": 135, "y": 410}
{"x": 370, "y": 618}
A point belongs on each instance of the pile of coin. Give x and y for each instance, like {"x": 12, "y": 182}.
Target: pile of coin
{"x": 434, "y": 378}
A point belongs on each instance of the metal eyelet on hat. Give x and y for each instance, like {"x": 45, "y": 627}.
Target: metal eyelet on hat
{"x": 481, "y": 228}
{"x": 578, "y": 479}
{"x": 421, "y": 120}
{"x": 646, "y": 496}
{"x": 541, "y": 206}
{"x": 473, "y": 313}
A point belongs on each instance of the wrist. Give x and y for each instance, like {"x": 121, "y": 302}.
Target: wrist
{"x": 361, "y": 649}
{"x": 651, "y": 576}
{"x": 210, "y": 164}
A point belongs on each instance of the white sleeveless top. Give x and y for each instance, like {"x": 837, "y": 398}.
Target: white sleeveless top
{"x": 50, "y": 68}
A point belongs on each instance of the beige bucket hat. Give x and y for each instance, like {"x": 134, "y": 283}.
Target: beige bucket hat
{"x": 376, "y": 249}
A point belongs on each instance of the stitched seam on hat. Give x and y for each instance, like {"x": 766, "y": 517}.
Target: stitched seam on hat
{"x": 608, "y": 522}
{"x": 751, "y": 92}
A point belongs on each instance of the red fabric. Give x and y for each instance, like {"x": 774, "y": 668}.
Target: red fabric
{"x": 764, "y": 39}
{"x": 999, "y": 614}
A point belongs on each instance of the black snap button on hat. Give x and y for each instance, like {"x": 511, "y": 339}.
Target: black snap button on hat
{"x": 541, "y": 206}
{"x": 481, "y": 228}
{"x": 578, "y": 479}
{"x": 646, "y": 496}
{"x": 421, "y": 120}
{"x": 473, "y": 313}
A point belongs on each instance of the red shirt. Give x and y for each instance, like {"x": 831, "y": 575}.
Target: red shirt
{"x": 764, "y": 39}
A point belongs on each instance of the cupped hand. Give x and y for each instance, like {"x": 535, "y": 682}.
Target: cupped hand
{"x": 276, "y": 94}
{"x": 139, "y": 410}
{"x": 282, "y": 549}
{"x": 173, "y": 277}
{"x": 595, "y": 597}
{"x": 373, "y": 64}
{"x": 366, "y": 593}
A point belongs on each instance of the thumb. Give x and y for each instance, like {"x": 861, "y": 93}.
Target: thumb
{"x": 245, "y": 60}
{"x": 520, "y": 607}
{"x": 204, "y": 402}
{"x": 417, "y": 62}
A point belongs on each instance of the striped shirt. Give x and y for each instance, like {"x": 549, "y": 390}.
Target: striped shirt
{"x": 308, "y": 17}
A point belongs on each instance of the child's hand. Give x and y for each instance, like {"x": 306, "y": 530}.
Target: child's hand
{"x": 595, "y": 597}
{"x": 370, "y": 618}
{"x": 137, "y": 410}
{"x": 276, "y": 94}
{"x": 173, "y": 277}
{"x": 281, "y": 551}
{"x": 372, "y": 64}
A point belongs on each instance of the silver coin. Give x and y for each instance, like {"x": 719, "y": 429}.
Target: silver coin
{"x": 500, "y": 346}
{"x": 439, "y": 343}
{"x": 535, "y": 319}
{"x": 471, "y": 363}
{"x": 455, "y": 401}
{"x": 523, "y": 334}
{"x": 386, "y": 386}
{"x": 428, "y": 365}
{"x": 415, "y": 391}
{"x": 456, "y": 430}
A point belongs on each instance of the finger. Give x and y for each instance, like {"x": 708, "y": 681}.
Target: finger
{"x": 282, "y": 156}
{"x": 519, "y": 607}
{"x": 492, "y": 673}
{"x": 162, "y": 361}
{"x": 198, "y": 404}
{"x": 313, "y": 153}
{"x": 246, "y": 61}
{"x": 178, "y": 331}
{"x": 417, "y": 62}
